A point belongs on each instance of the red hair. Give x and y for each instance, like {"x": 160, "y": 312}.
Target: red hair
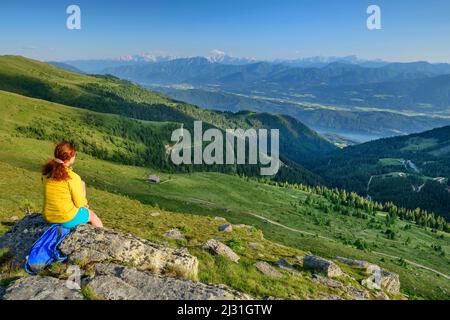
{"x": 64, "y": 151}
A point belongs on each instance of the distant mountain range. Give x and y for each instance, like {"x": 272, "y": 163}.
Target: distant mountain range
{"x": 401, "y": 98}
{"x": 400, "y": 86}
{"x": 98, "y": 66}
{"x": 318, "y": 62}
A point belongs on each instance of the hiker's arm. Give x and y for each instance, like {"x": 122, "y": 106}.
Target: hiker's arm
{"x": 78, "y": 195}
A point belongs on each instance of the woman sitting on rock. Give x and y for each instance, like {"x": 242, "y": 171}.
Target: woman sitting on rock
{"x": 65, "y": 200}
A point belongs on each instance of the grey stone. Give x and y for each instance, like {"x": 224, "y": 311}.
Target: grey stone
{"x": 380, "y": 295}
{"x": 369, "y": 267}
{"x": 390, "y": 281}
{"x": 267, "y": 269}
{"x": 285, "y": 265}
{"x": 114, "y": 282}
{"x": 357, "y": 294}
{"x": 87, "y": 244}
{"x": 327, "y": 281}
{"x": 371, "y": 283}
{"x": 218, "y": 248}
{"x": 21, "y": 236}
{"x": 226, "y": 228}
{"x": 321, "y": 265}
{"x": 379, "y": 279}
{"x": 155, "y": 214}
{"x": 40, "y": 288}
{"x": 175, "y": 234}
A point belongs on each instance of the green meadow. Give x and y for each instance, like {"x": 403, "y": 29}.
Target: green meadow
{"x": 286, "y": 221}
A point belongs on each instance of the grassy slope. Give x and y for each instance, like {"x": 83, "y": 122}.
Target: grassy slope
{"x": 232, "y": 198}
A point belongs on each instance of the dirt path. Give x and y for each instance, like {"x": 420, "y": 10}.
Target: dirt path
{"x": 415, "y": 264}
{"x": 412, "y": 263}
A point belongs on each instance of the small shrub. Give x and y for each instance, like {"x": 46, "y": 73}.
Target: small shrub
{"x": 234, "y": 243}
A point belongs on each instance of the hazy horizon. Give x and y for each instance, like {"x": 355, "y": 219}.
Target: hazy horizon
{"x": 127, "y": 57}
{"x": 264, "y": 30}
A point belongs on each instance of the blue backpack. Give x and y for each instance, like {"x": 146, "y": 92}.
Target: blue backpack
{"x": 45, "y": 249}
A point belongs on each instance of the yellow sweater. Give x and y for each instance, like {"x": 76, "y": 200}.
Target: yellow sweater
{"x": 62, "y": 199}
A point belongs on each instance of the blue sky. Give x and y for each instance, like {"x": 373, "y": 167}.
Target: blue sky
{"x": 264, "y": 29}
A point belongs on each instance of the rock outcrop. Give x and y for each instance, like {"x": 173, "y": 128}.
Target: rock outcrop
{"x": 114, "y": 265}
{"x": 88, "y": 245}
{"x": 121, "y": 266}
{"x": 378, "y": 279}
{"x": 327, "y": 281}
{"x": 390, "y": 281}
{"x": 41, "y": 288}
{"x": 321, "y": 265}
{"x": 115, "y": 282}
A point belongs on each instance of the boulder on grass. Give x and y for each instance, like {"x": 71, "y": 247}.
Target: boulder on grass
{"x": 216, "y": 247}
{"x": 174, "y": 234}
{"x": 321, "y": 265}
{"x": 226, "y": 228}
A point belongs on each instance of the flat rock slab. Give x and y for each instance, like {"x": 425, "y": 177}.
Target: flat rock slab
{"x": 369, "y": 267}
{"x": 267, "y": 269}
{"x": 114, "y": 282}
{"x": 40, "y": 288}
{"x": 87, "y": 244}
{"x": 216, "y": 247}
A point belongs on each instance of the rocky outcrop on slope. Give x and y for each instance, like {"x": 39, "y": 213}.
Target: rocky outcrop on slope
{"x": 378, "y": 279}
{"x": 41, "y": 288}
{"x": 115, "y": 265}
{"x": 88, "y": 245}
{"x": 120, "y": 266}
{"x": 115, "y": 282}
{"x": 321, "y": 265}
